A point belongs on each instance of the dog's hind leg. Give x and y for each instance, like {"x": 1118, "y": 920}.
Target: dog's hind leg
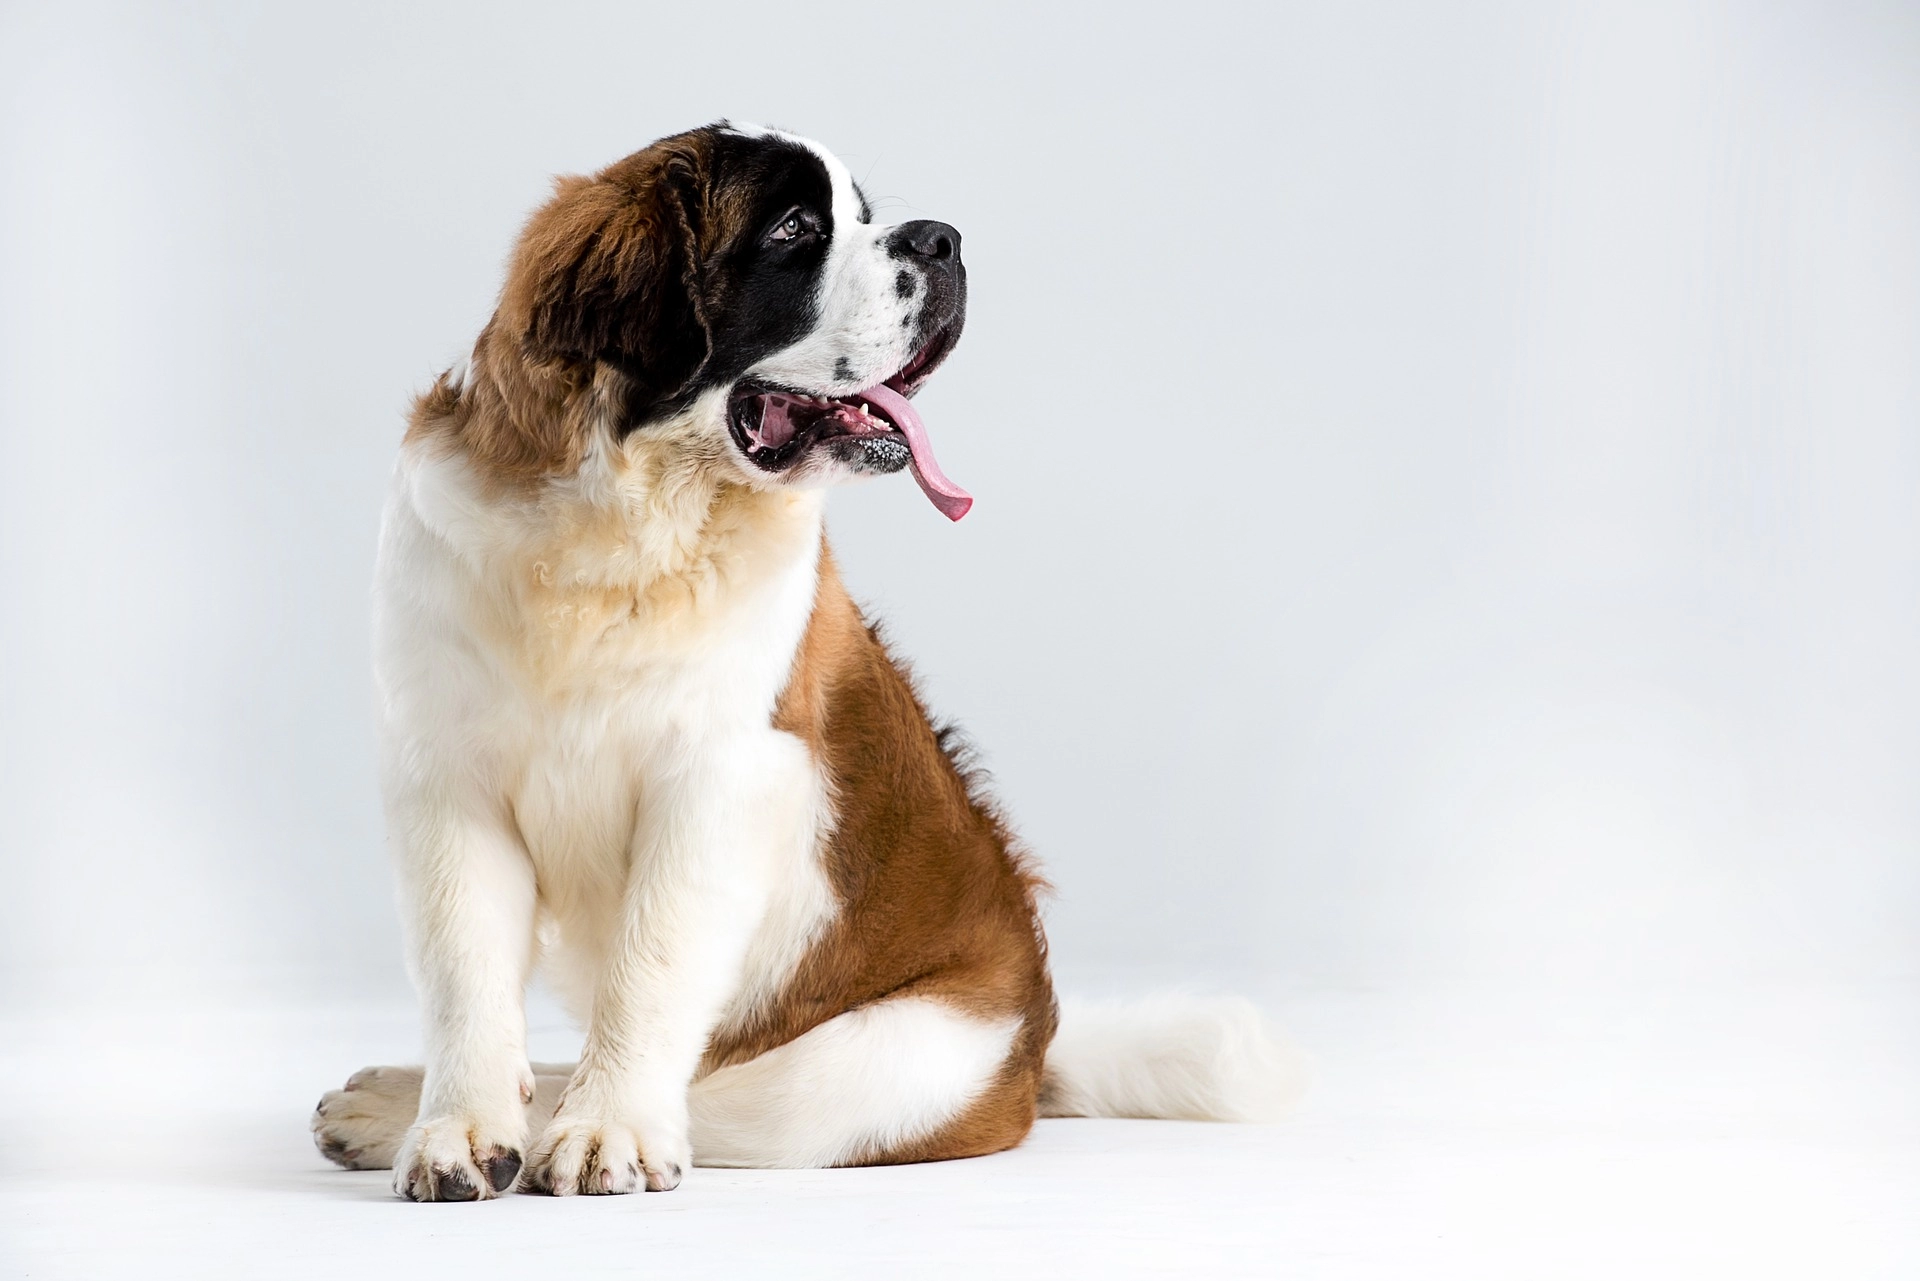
{"x": 360, "y": 1125}
{"x": 911, "y": 1078}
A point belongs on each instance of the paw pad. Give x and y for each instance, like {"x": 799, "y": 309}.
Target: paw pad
{"x": 502, "y": 1167}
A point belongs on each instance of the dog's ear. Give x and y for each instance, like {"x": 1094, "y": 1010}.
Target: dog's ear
{"x": 609, "y": 271}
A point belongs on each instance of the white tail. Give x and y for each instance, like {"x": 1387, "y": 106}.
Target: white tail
{"x": 1172, "y": 1056}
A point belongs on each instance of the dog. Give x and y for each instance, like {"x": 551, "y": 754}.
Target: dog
{"x": 635, "y": 731}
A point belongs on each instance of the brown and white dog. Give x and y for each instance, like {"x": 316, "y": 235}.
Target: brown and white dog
{"x": 635, "y": 730}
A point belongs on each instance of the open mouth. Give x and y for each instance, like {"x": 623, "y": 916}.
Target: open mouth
{"x": 776, "y": 426}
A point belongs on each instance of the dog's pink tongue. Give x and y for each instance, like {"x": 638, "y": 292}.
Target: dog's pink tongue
{"x": 952, "y": 500}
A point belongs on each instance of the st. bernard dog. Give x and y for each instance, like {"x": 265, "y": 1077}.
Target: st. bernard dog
{"x": 635, "y": 730}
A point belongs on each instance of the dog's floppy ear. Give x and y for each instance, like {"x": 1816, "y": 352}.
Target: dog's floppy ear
{"x": 609, "y": 271}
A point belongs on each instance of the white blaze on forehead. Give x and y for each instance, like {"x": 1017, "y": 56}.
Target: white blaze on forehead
{"x": 846, "y": 196}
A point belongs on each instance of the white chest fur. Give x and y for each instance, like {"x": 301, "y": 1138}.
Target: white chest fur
{"x": 577, "y": 659}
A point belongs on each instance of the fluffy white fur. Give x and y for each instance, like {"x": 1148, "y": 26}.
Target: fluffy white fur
{"x": 1169, "y": 1055}
{"x": 538, "y": 734}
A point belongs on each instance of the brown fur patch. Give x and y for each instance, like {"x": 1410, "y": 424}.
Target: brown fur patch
{"x": 601, "y": 318}
{"x": 936, "y": 900}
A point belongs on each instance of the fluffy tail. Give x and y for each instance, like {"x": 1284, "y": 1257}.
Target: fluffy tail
{"x": 1178, "y": 1057}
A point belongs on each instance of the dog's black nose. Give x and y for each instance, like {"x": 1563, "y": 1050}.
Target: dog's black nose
{"x": 936, "y": 241}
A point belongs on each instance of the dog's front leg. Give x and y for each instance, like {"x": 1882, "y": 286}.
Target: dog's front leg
{"x": 467, "y": 893}
{"x": 696, "y": 889}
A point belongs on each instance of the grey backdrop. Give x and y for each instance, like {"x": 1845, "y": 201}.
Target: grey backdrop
{"x": 1446, "y": 476}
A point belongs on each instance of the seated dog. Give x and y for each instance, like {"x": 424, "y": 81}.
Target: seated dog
{"x": 635, "y": 730}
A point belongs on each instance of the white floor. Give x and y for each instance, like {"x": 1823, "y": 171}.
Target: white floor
{"x": 1450, "y": 1132}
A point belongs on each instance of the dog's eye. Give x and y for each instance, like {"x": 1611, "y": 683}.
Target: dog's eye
{"x": 790, "y": 228}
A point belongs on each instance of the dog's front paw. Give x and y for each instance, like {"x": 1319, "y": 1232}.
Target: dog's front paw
{"x": 455, "y": 1159}
{"x": 597, "y": 1157}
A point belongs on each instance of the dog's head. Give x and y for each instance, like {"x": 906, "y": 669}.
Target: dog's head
{"x": 733, "y": 278}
